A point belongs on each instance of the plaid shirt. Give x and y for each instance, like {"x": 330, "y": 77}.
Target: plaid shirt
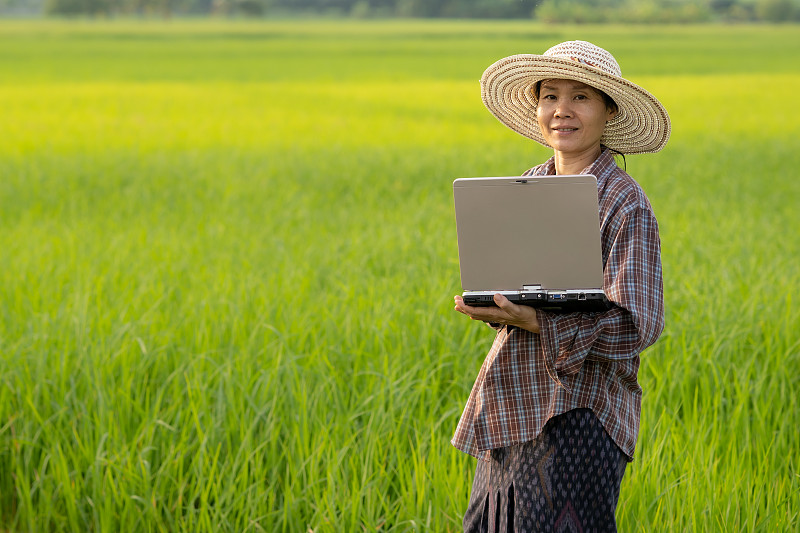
{"x": 578, "y": 359}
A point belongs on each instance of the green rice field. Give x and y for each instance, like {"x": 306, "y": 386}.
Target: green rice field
{"x": 228, "y": 261}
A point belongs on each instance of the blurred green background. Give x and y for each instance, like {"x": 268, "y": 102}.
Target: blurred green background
{"x": 229, "y": 260}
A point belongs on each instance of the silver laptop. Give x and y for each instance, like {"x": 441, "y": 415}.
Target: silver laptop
{"x": 534, "y": 239}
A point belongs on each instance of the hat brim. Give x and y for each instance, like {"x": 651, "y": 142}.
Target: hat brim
{"x": 642, "y": 125}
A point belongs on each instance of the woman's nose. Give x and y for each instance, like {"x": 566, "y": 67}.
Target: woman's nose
{"x": 563, "y": 110}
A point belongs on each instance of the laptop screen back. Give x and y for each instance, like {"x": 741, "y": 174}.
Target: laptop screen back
{"x": 536, "y": 230}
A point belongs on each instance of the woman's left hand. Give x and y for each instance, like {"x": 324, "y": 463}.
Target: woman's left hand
{"x": 506, "y": 312}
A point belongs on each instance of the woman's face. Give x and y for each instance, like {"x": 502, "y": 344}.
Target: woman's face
{"x": 572, "y": 116}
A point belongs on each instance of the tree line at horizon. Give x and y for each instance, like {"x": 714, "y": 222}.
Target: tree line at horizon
{"x": 552, "y": 11}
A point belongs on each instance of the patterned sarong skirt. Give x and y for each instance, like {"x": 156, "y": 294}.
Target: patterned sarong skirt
{"x": 567, "y": 479}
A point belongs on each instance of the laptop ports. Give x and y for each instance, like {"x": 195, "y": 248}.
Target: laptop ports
{"x": 582, "y": 296}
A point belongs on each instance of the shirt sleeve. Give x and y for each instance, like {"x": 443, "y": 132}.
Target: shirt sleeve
{"x": 632, "y": 280}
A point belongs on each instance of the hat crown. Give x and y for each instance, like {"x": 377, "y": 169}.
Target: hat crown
{"x": 587, "y": 54}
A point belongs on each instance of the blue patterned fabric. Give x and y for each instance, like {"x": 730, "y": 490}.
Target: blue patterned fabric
{"x": 565, "y": 480}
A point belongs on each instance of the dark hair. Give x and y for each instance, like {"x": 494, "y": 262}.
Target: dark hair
{"x": 610, "y": 103}
{"x": 620, "y": 154}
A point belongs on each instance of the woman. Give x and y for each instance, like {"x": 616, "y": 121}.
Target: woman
{"x": 554, "y": 413}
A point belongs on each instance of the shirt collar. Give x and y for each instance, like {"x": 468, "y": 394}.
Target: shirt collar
{"x": 601, "y": 168}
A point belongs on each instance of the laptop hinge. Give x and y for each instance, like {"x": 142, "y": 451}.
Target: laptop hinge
{"x": 531, "y": 287}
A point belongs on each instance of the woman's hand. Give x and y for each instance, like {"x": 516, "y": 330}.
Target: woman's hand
{"x": 506, "y": 312}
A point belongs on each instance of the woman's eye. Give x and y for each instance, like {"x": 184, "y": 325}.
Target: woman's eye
{"x": 548, "y": 97}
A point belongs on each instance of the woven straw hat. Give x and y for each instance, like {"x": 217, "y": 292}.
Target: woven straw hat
{"x": 641, "y": 126}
